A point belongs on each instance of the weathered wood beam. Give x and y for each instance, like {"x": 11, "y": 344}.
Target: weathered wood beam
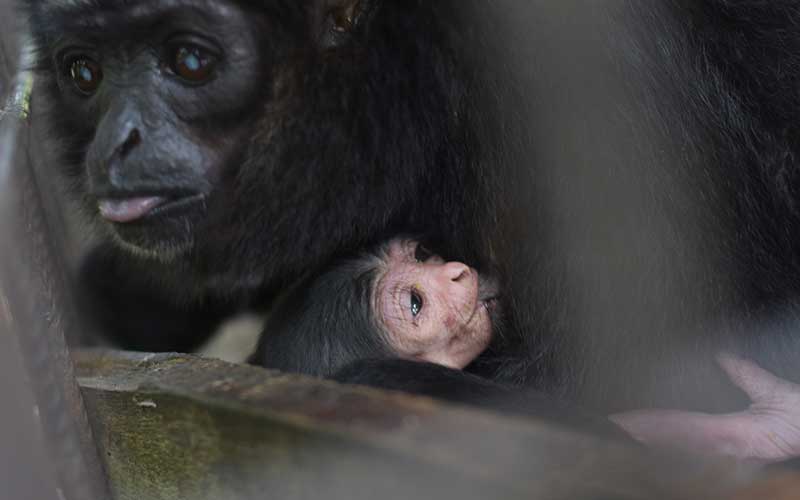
{"x": 181, "y": 427}
{"x": 36, "y": 307}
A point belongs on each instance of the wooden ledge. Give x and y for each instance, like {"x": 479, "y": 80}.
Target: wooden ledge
{"x": 175, "y": 426}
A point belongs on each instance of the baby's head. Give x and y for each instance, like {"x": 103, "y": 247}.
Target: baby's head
{"x": 429, "y": 309}
{"x": 397, "y": 300}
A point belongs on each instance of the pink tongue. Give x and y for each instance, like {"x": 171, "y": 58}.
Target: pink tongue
{"x": 130, "y": 209}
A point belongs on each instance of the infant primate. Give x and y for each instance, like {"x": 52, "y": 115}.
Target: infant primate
{"x": 398, "y": 300}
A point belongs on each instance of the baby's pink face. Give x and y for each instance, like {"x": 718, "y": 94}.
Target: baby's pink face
{"x": 432, "y": 310}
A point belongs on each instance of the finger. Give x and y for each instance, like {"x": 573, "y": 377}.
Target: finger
{"x": 757, "y": 383}
{"x": 688, "y": 431}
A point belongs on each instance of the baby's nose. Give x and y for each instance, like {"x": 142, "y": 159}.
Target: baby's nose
{"x": 456, "y": 281}
{"x": 456, "y": 272}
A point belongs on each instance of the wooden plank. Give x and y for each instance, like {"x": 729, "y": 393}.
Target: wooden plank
{"x": 175, "y": 426}
{"x": 36, "y": 305}
{"x": 25, "y": 468}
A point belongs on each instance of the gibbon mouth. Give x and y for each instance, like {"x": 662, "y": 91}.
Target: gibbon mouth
{"x": 123, "y": 210}
{"x": 488, "y": 289}
{"x": 489, "y": 304}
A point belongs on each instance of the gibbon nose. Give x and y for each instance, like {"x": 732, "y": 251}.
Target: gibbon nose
{"x": 457, "y": 281}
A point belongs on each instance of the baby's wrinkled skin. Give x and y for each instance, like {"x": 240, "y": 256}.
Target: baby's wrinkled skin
{"x": 432, "y": 310}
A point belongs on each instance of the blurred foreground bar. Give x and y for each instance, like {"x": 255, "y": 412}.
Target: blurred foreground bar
{"x": 177, "y": 427}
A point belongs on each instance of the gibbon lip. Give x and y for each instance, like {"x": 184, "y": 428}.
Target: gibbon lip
{"x": 124, "y": 210}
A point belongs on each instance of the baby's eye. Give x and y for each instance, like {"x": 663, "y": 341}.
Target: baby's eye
{"x": 416, "y": 303}
{"x": 422, "y": 254}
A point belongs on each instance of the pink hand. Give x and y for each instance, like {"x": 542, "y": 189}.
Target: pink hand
{"x": 768, "y": 431}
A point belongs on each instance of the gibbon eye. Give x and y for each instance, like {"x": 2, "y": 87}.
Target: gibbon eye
{"x": 192, "y": 63}
{"x": 416, "y": 304}
{"x": 86, "y": 74}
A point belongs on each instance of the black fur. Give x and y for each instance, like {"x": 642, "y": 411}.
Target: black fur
{"x": 445, "y": 383}
{"x": 629, "y": 167}
{"x": 325, "y": 321}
